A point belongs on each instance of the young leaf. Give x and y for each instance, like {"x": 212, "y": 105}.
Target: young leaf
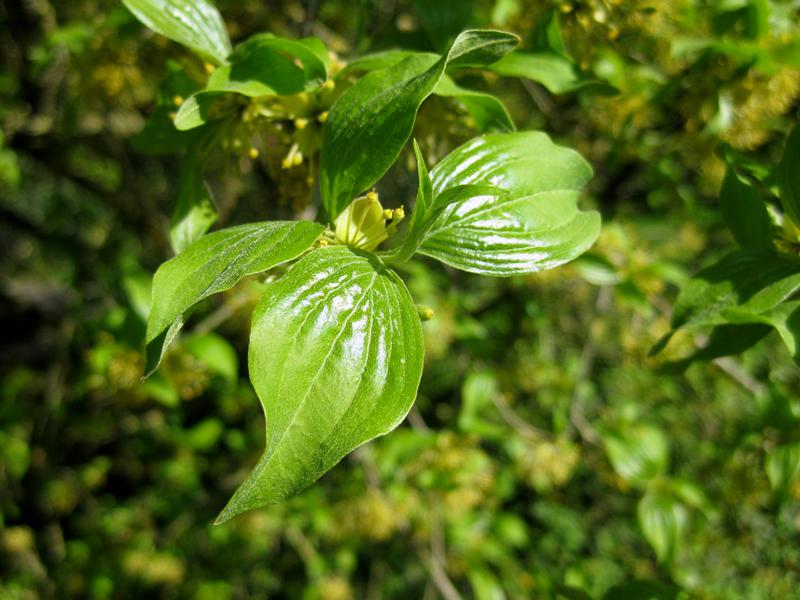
{"x": 637, "y": 453}
{"x": 371, "y": 122}
{"x": 194, "y": 211}
{"x": 746, "y": 281}
{"x": 489, "y": 112}
{"x": 336, "y": 357}
{"x": 556, "y": 73}
{"x": 663, "y": 520}
{"x": 529, "y": 221}
{"x": 480, "y": 48}
{"x": 196, "y": 24}
{"x": 789, "y": 176}
{"x": 215, "y": 263}
{"x": 201, "y": 107}
{"x": 266, "y": 64}
{"x": 724, "y": 340}
{"x": 745, "y": 212}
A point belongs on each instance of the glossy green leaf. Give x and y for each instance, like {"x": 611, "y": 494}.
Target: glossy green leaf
{"x": 789, "y": 176}
{"x": 555, "y": 72}
{"x": 371, "y": 122}
{"x": 663, "y": 520}
{"x": 489, "y": 112}
{"x": 266, "y": 64}
{"x": 782, "y": 465}
{"x": 194, "y": 210}
{"x": 336, "y": 356}
{"x": 528, "y": 222}
{"x": 745, "y": 212}
{"x": 196, "y": 24}
{"x": 637, "y": 453}
{"x": 215, "y": 263}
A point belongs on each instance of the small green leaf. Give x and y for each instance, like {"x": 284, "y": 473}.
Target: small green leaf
{"x": 480, "y": 48}
{"x": 266, "y": 64}
{"x": 555, "y": 72}
{"x": 196, "y": 24}
{"x": 336, "y": 356}
{"x": 663, "y": 520}
{"x": 201, "y": 107}
{"x": 638, "y": 453}
{"x": 216, "y": 353}
{"x": 489, "y": 112}
{"x": 745, "y": 212}
{"x": 749, "y": 281}
{"x": 371, "y": 122}
{"x": 782, "y": 465}
{"x": 789, "y": 176}
{"x": 724, "y": 340}
{"x": 528, "y": 219}
{"x": 215, "y": 263}
{"x": 194, "y": 211}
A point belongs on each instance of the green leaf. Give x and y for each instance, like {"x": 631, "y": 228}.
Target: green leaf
{"x": 201, "y": 107}
{"x": 336, "y": 356}
{"x": 745, "y": 212}
{"x": 789, "y": 176}
{"x": 194, "y": 211}
{"x": 555, "y": 72}
{"x": 371, "y": 122}
{"x": 724, "y": 340}
{"x": 266, "y": 65}
{"x": 746, "y": 281}
{"x": 782, "y": 465}
{"x": 376, "y": 61}
{"x": 480, "y": 48}
{"x": 489, "y": 112}
{"x": 196, "y": 24}
{"x": 526, "y": 221}
{"x": 664, "y": 521}
{"x": 638, "y": 453}
{"x": 216, "y": 353}
{"x": 215, "y": 263}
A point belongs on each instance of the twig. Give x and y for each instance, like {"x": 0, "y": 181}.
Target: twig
{"x": 434, "y": 560}
{"x": 510, "y": 416}
{"x": 416, "y": 421}
{"x": 731, "y": 368}
{"x": 576, "y": 414}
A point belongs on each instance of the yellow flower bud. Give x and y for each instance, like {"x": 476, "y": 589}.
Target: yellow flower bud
{"x": 253, "y": 153}
{"x": 300, "y": 123}
{"x": 177, "y": 100}
{"x": 362, "y": 224}
{"x": 323, "y": 116}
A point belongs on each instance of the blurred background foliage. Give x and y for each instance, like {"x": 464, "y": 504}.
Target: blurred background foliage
{"x": 547, "y": 455}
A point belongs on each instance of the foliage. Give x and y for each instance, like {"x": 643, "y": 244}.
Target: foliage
{"x": 549, "y": 452}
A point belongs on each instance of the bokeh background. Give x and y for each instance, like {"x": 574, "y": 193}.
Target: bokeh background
{"x": 547, "y": 455}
